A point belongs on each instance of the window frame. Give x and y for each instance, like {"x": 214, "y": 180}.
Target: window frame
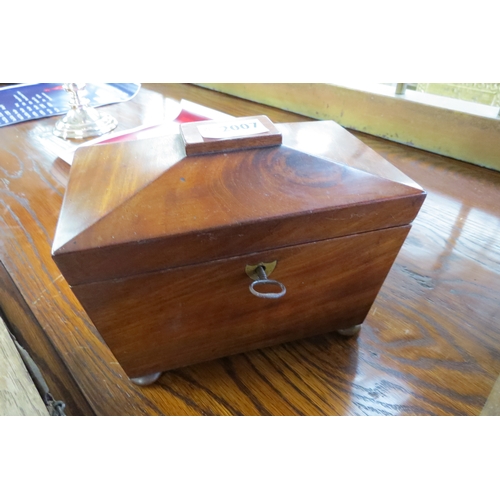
{"x": 458, "y": 129}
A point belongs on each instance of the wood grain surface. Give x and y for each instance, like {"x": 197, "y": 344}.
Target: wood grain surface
{"x": 430, "y": 344}
{"x": 30, "y": 335}
{"x": 143, "y": 206}
{"x": 178, "y": 317}
{"x": 18, "y": 394}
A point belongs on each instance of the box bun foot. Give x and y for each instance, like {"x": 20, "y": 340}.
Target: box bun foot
{"x": 350, "y": 332}
{"x": 147, "y": 379}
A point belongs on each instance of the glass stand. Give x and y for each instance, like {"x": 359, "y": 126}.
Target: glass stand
{"x": 82, "y": 121}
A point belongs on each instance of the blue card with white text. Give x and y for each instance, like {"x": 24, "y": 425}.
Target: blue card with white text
{"x": 19, "y": 103}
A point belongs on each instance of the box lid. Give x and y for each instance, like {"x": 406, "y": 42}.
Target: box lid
{"x": 141, "y": 206}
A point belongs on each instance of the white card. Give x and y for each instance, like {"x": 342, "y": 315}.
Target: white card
{"x": 227, "y": 130}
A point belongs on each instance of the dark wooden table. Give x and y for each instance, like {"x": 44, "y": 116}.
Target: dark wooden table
{"x": 430, "y": 345}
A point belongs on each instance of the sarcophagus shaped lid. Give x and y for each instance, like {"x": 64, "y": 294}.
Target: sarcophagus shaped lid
{"x": 143, "y": 206}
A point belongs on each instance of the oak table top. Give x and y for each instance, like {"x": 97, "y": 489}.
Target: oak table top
{"x": 429, "y": 346}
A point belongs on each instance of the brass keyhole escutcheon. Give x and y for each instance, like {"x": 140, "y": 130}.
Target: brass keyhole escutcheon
{"x": 268, "y": 268}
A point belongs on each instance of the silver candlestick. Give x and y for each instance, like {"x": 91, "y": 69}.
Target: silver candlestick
{"x": 82, "y": 121}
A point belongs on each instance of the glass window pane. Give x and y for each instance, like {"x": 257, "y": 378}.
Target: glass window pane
{"x": 481, "y": 93}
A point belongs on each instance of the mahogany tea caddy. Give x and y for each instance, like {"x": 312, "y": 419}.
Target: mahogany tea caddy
{"x": 195, "y": 246}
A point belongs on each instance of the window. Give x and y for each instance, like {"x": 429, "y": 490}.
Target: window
{"x": 411, "y": 114}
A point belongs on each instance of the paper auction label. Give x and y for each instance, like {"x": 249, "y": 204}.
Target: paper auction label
{"x": 231, "y": 129}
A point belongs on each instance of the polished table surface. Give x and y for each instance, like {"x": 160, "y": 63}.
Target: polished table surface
{"x": 429, "y": 346}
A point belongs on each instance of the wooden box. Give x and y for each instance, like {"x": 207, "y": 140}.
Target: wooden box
{"x": 161, "y": 240}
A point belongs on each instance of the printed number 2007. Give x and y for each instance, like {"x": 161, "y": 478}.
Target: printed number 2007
{"x": 241, "y": 126}
{"x": 231, "y": 129}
